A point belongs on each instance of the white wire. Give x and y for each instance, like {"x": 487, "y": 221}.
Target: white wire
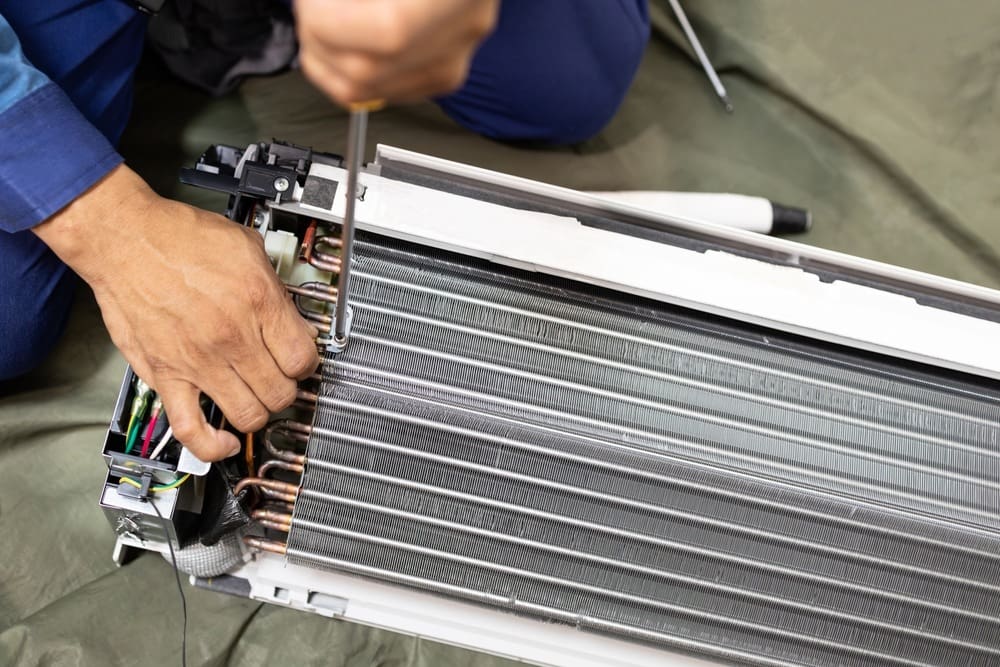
{"x": 162, "y": 443}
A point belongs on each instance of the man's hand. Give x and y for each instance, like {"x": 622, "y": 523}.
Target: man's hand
{"x": 396, "y": 50}
{"x": 191, "y": 301}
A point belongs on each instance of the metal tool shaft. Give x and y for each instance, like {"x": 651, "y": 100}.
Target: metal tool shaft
{"x": 706, "y": 64}
{"x": 356, "y": 132}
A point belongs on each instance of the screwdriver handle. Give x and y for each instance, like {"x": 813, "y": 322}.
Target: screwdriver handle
{"x": 369, "y": 105}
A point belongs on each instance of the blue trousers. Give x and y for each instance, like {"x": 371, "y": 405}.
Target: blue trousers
{"x": 554, "y": 71}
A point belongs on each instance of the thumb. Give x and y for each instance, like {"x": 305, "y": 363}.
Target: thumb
{"x": 181, "y": 402}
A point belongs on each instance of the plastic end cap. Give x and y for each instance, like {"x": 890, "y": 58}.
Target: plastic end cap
{"x": 789, "y": 219}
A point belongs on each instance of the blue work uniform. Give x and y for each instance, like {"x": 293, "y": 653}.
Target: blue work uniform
{"x": 553, "y": 71}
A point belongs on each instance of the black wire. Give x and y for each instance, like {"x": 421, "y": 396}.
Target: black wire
{"x": 180, "y": 589}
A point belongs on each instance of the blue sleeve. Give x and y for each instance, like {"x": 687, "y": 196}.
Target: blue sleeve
{"x": 51, "y": 153}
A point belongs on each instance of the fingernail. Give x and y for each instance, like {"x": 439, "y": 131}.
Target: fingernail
{"x": 234, "y": 451}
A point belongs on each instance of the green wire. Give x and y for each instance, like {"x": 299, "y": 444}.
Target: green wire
{"x": 157, "y": 489}
{"x": 132, "y": 435}
{"x": 173, "y": 485}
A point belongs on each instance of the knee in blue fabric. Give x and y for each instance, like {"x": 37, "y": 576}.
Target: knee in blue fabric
{"x": 553, "y": 71}
{"x": 36, "y": 292}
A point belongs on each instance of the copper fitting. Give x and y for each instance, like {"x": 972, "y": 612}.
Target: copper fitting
{"x": 274, "y": 517}
{"x": 326, "y": 257}
{"x": 331, "y": 243}
{"x": 306, "y": 400}
{"x": 279, "y": 506}
{"x": 328, "y": 240}
{"x": 265, "y": 545}
{"x": 275, "y": 496}
{"x": 271, "y": 487}
{"x": 330, "y": 267}
{"x": 281, "y": 465}
{"x": 248, "y": 453}
{"x": 281, "y": 528}
{"x": 293, "y": 431}
{"x": 305, "y": 395}
{"x": 314, "y": 290}
{"x": 308, "y": 239}
{"x": 318, "y": 318}
{"x": 317, "y": 321}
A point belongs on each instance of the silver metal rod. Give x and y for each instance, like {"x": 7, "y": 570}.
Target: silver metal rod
{"x": 355, "y": 153}
{"x": 706, "y": 64}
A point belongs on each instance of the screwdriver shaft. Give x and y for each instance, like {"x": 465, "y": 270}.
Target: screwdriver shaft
{"x": 355, "y": 152}
{"x": 706, "y": 64}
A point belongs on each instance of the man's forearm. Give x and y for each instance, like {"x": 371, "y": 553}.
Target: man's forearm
{"x": 51, "y": 152}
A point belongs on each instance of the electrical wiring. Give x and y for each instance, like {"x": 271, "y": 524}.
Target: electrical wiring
{"x": 149, "y": 435}
{"x": 180, "y": 589}
{"x": 132, "y": 434}
{"x": 154, "y": 419}
{"x": 139, "y": 404}
{"x": 156, "y": 489}
{"x": 163, "y": 443}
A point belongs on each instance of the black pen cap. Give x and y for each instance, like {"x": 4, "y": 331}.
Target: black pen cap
{"x": 789, "y": 219}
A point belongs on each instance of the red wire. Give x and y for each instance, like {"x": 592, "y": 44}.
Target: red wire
{"x": 149, "y": 436}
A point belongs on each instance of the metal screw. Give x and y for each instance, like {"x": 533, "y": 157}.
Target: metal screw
{"x": 281, "y": 184}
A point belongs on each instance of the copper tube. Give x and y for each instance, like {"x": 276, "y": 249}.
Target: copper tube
{"x": 314, "y": 290}
{"x": 316, "y": 376}
{"x": 305, "y": 395}
{"x": 330, "y": 267}
{"x": 328, "y": 240}
{"x": 280, "y": 465}
{"x": 280, "y": 527}
{"x": 318, "y": 318}
{"x": 273, "y": 517}
{"x": 296, "y": 427}
{"x": 281, "y": 490}
{"x": 248, "y": 453}
{"x": 317, "y": 321}
{"x": 326, "y": 258}
{"x": 279, "y": 506}
{"x": 275, "y": 496}
{"x": 293, "y": 431}
{"x": 308, "y": 240}
{"x": 265, "y": 545}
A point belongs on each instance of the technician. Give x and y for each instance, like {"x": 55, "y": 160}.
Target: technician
{"x": 544, "y": 70}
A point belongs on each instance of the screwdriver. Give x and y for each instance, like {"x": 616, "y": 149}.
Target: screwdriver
{"x": 356, "y": 132}
{"x": 713, "y": 77}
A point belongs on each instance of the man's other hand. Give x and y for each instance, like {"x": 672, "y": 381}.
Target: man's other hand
{"x": 191, "y": 300}
{"x": 396, "y": 50}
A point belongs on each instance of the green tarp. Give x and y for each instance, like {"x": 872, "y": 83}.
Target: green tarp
{"x": 881, "y": 116}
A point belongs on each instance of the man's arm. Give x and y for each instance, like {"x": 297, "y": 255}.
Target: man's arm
{"x": 192, "y": 302}
{"x": 51, "y": 153}
{"x": 189, "y": 298}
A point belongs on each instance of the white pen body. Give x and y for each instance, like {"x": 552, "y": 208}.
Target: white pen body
{"x": 741, "y": 211}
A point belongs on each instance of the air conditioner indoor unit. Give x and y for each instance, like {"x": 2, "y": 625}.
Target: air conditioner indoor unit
{"x": 579, "y": 434}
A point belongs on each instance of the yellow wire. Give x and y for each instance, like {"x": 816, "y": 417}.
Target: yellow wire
{"x": 156, "y": 489}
